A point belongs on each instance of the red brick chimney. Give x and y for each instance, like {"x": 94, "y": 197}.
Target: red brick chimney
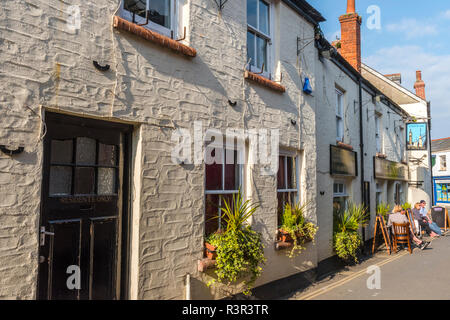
{"x": 351, "y": 36}
{"x": 419, "y": 85}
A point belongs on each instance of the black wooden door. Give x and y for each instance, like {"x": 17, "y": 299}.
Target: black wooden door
{"x": 82, "y": 211}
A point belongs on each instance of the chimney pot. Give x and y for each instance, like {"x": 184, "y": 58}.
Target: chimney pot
{"x": 418, "y": 75}
{"x": 419, "y": 86}
{"x": 351, "y": 6}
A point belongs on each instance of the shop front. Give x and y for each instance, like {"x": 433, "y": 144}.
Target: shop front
{"x": 441, "y": 187}
{"x": 392, "y": 177}
{"x": 344, "y": 169}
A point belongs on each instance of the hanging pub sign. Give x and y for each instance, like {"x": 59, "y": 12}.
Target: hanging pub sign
{"x": 390, "y": 170}
{"x": 416, "y": 136}
{"x": 343, "y": 162}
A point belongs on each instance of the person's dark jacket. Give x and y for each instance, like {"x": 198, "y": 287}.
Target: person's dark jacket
{"x": 417, "y": 214}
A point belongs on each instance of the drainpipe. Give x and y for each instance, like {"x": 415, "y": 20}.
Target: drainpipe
{"x": 361, "y": 146}
{"x": 188, "y": 286}
{"x": 430, "y": 162}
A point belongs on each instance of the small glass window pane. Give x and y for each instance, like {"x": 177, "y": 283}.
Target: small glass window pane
{"x": 232, "y": 174}
{"x": 261, "y": 47}
{"x": 86, "y": 151}
{"x": 159, "y": 12}
{"x": 252, "y": 6}
{"x": 60, "y": 180}
{"x": 84, "y": 180}
{"x": 281, "y": 183}
{"x": 137, "y": 7}
{"x": 107, "y": 155}
{"x": 291, "y": 173}
{"x": 251, "y": 53}
{"x": 211, "y": 213}
{"x": 106, "y": 181}
{"x": 263, "y": 17}
{"x": 62, "y": 151}
{"x": 214, "y": 174}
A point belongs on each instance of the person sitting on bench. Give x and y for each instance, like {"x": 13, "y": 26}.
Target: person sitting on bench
{"x": 399, "y": 216}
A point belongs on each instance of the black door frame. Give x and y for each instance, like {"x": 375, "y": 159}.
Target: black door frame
{"x": 125, "y": 249}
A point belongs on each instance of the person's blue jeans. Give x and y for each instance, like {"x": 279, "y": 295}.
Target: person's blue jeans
{"x": 435, "y": 228}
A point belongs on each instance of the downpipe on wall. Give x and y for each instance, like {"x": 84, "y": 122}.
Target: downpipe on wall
{"x": 361, "y": 146}
{"x": 188, "y": 287}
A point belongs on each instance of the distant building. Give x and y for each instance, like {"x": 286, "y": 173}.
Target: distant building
{"x": 440, "y": 150}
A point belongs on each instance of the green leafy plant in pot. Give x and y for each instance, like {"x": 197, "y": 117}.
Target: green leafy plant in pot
{"x": 294, "y": 228}
{"x": 346, "y": 237}
{"x": 383, "y": 209}
{"x": 240, "y": 250}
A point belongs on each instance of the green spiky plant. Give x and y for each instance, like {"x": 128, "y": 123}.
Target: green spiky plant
{"x": 406, "y": 206}
{"x": 240, "y": 250}
{"x": 293, "y": 222}
{"x": 383, "y": 209}
{"x": 346, "y": 237}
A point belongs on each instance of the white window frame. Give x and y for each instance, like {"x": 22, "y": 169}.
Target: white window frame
{"x": 344, "y": 189}
{"x": 378, "y": 135}
{"x": 339, "y": 115}
{"x": 295, "y": 157}
{"x": 378, "y": 193}
{"x": 240, "y": 157}
{"x": 174, "y": 17}
{"x": 253, "y": 29}
{"x": 443, "y": 164}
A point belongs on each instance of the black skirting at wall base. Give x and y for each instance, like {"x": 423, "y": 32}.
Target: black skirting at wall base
{"x": 283, "y": 287}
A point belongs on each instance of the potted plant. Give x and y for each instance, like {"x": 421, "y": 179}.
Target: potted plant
{"x": 346, "y": 237}
{"x": 295, "y": 229}
{"x": 211, "y": 244}
{"x": 239, "y": 248}
{"x": 383, "y": 209}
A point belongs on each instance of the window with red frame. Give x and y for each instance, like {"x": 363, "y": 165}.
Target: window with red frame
{"x": 286, "y": 183}
{"x": 223, "y": 180}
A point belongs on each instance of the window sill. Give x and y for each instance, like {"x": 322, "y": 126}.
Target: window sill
{"x": 344, "y": 146}
{"x": 264, "y": 81}
{"x": 125, "y": 25}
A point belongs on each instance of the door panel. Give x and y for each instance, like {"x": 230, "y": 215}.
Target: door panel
{"x": 65, "y": 249}
{"x": 103, "y": 250}
{"x": 82, "y": 208}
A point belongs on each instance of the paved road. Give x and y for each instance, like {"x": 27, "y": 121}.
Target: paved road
{"x": 422, "y": 275}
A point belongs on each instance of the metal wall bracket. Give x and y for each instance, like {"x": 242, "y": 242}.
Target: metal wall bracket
{"x": 101, "y": 68}
{"x": 220, "y": 3}
{"x": 9, "y": 152}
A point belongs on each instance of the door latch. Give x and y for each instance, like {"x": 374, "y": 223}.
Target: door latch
{"x": 43, "y": 234}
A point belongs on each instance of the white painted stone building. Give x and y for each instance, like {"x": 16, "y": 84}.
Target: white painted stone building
{"x": 116, "y": 177}
{"x": 95, "y": 101}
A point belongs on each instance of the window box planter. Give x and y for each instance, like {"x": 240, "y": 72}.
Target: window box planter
{"x": 284, "y": 236}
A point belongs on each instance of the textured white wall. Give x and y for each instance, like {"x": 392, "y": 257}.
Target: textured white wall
{"x": 46, "y": 65}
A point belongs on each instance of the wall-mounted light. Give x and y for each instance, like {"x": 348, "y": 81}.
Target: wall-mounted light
{"x": 293, "y": 122}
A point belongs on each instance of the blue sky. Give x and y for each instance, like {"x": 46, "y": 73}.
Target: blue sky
{"x": 413, "y": 35}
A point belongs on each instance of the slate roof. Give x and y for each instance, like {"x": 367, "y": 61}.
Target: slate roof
{"x": 440, "y": 145}
{"x": 306, "y": 10}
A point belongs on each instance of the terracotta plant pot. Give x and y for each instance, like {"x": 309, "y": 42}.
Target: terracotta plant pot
{"x": 284, "y": 236}
{"x": 210, "y": 251}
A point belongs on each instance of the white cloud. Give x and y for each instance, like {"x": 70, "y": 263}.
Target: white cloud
{"x": 435, "y": 72}
{"x": 446, "y": 14}
{"x": 413, "y": 28}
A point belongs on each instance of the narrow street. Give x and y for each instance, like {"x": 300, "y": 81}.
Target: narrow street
{"x": 424, "y": 275}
